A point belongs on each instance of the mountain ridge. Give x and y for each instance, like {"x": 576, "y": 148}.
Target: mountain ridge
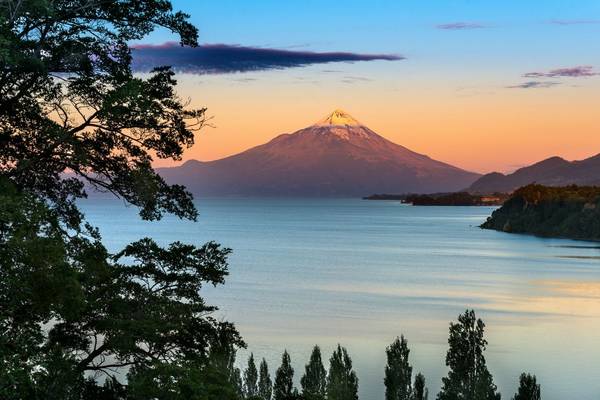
{"x": 337, "y": 156}
{"x": 552, "y": 171}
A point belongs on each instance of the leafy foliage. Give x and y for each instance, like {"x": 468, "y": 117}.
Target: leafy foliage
{"x": 314, "y": 381}
{"x": 420, "y": 391}
{"x": 265, "y": 385}
{"x": 398, "y": 371}
{"x": 283, "y": 388}
{"x": 342, "y": 382}
{"x": 68, "y": 308}
{"x": 468, "y": 378}
{"x": 251, "y": 378}
{"x": 69, "y": 102}
{"x": 72, "y": 114}
{"x": 529, "y": 389}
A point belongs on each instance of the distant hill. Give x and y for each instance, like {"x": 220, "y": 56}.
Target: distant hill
{"x": 553, "y": 171}
{"x": 337, "y": 156}
{"x": 569, "y": 212}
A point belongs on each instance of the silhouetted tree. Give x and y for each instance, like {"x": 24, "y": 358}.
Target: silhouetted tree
{"x": 283, "y": 388}
{"x": 237, "y": 381}
{"x": 265, "y": 386}
{"x": 314, "y": 381}
{"x": 529, "y": 389}
{"x": 420, "y": 392}
{"x": 398, "y": 371}
{"x": 468, "y": 378}
{"x": 69, "y": 101}
{"x": 342, "y": 383}
{"x": 251, "y": 378}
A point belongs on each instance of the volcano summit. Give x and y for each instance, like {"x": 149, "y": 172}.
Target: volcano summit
{"x": 337, "y": 156}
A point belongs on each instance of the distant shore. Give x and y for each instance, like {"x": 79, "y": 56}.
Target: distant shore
{"x": 444, "y": 199}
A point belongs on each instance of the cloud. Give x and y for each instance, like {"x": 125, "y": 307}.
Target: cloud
{"x": 534, "y": 85}
{"x": 574, "y": 22}
{"x": 457, "y": 26}
{"x": 355, "y": 79}
{"x": 581, "y": 71}
{"x": 224, "y": 58}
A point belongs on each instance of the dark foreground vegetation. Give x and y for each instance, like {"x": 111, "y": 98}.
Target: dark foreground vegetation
{"x": 569, "y": 212}
{"x": 444, "y": 199}
{"x": 78, "y": 322}
{"x": 468, "y": 377}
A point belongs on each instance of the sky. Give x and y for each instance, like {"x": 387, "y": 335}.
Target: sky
{"x": 483, "y": 85}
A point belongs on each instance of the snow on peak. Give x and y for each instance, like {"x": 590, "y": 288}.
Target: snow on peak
{"x": 338, "y": 118}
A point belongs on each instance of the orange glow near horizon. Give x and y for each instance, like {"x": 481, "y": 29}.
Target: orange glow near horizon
{"x": 481, "y": 130}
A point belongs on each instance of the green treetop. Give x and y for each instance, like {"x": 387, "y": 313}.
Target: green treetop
{"x": 398, "y": 371}
{"x": 342, "y": 383}
{"x": 265, "y": 385}
{"x": 468, "y": 378}
{"x": 314, "y": 380}
{"x": 283, "y": 388}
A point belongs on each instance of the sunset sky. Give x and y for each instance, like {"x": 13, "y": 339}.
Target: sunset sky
{"x": 483, "y": 85}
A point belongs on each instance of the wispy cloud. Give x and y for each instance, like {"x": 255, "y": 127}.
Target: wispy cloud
{"x": 534, "y": 85}
{"x": 581, "y": 71}
{"x": 355, "y": 79}
{"x": 225, "y": 58}
{"x": 574, "y": 22}
{"x": 457, "y": 26}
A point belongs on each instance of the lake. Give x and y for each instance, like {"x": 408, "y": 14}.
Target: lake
{"x": 360, "y": 273}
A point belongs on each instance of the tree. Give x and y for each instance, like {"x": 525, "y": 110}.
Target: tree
{"x": 265, "y": 386}
{"x": 251, "y": 378}
{"x": 283, "y": 387}
{"x": 73, "y": 116}
{"x": 314, "y": 381}
{"x": 468, "y": 378}
{"x": 420, "y": 392}
{"x": 398, "y": 371}
{"x": 342, "y": 383}
{"x": 237, "y": 382}
{"x": 529, "y": 389}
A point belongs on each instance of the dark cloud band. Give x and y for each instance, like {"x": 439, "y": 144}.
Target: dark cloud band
{"x": 534, "y": 85}
{"x": 223, "y": 58}
{"x": 580, "y": 71}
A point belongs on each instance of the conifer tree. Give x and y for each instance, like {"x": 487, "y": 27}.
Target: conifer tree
{"x": 283, "y": 387}
{"x": 420, "y": 392}
{"x": 529, "y": 389}
{"x": 251, "y": 379}
{"x": 468, "y": 378}
{"x": 342, "y": 383}
{"x": 398, "y": 371}
{"x": 314, "y": 381}
{"x": 265, "y": 385}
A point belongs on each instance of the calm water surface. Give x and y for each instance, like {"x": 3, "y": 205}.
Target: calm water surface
{"x": 308, "y": 271}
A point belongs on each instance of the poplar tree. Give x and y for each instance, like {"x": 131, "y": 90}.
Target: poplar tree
{"x": 468, "y": 378}
{"x": 398, "y": 371}
{"x": 529, "y": 389}
{"x": 265, "y": 385}
{"x": 283, "y": 388}
{"x": 420, "y": 392}
{"x": 251, "y": 378}
{"x": 342, "y": 383}
{"x": 314, "y": 381}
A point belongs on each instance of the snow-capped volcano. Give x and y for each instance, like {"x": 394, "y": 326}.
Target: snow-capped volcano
{"x": 338, "y": 118}
{"x": 337, "y": 156}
